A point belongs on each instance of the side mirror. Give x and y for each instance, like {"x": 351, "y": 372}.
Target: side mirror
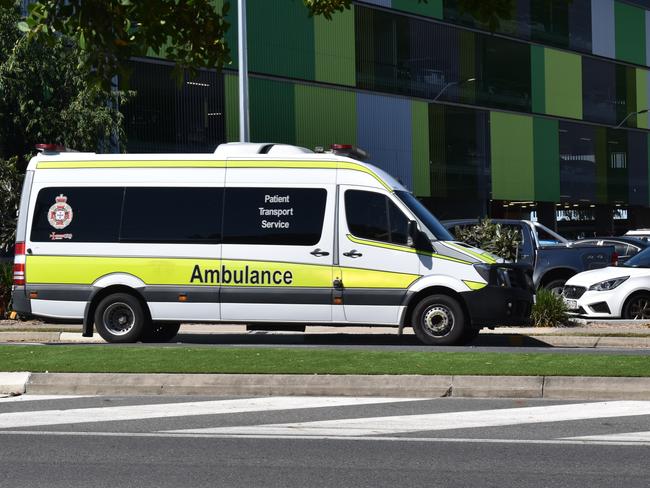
{"x": 417, "y": 238}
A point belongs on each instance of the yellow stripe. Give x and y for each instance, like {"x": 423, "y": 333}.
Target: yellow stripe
{"x": 86, "y": 270}
{"x": 404, "y": 249}
{"x": 213, "y": 164}
{"x": 129, "y": 164}
{"x": 474, "y": 285}
{"x": 486, "y": 258}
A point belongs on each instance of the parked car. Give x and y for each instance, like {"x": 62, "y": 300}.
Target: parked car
{"x": 638, "y": 233}
{"x": 625, "y": 247}
{"x": 612, "y": 292}
{"x": 554, "y": 259}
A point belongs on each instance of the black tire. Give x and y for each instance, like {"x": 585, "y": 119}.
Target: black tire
{"x": 438, "y": 320}
{"x": 637, "y": 307}
{"x": 160, "y": 332}
{"x": 120, "y": 318}
{"x": 556, "y": 286}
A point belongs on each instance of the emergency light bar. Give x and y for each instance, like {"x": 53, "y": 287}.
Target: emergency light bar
{"x": 50, "y": 148}
{"x": 347, "y": 150}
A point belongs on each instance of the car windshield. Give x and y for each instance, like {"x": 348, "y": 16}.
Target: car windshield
{"x": 641, "y": 260}
{"x": 430, "y": 224}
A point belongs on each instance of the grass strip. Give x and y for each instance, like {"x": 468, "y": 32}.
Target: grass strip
{"x": 119, "y": 359}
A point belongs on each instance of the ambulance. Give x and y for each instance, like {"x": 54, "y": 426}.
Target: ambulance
{"x": 268, "y": 235}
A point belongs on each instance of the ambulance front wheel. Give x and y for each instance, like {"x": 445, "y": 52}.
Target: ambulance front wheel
{"x": 438, "y": 320}
{"x": 120, "y": 318}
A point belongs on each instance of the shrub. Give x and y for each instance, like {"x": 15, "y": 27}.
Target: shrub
{"x": 6, "y": 280}
{"x": 549, "y": 310}
{"x": 495, "y": 238}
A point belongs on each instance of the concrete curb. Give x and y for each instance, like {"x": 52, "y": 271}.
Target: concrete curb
{"x": 552, "y": 387}
{"x": 13, "y": 383}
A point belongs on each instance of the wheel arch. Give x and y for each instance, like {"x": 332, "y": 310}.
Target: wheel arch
{"x": 415, "y": 298}
{"x": 99, "y": 294}
{"x": 556, "y": 274}
{"x": 631, "y": 296}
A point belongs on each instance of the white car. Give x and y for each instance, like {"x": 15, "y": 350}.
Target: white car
{"x": 612, "y": 292}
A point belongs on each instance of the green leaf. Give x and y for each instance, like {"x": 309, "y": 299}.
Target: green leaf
{"x": 82, "y": 41}
{"x": 23, "y": 27}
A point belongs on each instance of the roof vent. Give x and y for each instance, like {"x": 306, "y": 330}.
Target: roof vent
{"x": 243, "y": 149}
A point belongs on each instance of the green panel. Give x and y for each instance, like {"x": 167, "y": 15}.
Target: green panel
{"x": 325, "y": 116}
{"x": 642, "y": 98}
{"x": 272, "y": 113}
{"x": 630, "y": 33}
{"x": 281, "y": 39}
{"x": 335, "y": 48}
{"x": 420, "y": 141}
{"x": 430, "y": 8}
{"x": 538, "y": 79}
{"x": 547, "y": 160}
{"x": 563, "y": 83}
{"x": 232, "y": 107}
{"x": 511, "y": 139}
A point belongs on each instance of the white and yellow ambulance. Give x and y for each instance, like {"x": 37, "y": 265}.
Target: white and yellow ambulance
{"x": 262, "y": 234}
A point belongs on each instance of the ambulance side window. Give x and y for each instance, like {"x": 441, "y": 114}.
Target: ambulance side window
{"x": 172, "y": 215}
{"x": 74, "y": 214}
{"x": 274, "y": 216}
{"x": 374, "y": 216}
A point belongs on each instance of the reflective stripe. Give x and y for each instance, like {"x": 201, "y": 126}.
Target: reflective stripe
{"x": 485, "y": 257}
{"x": 85, "y": 270}
{"x": 396, "y": 247}
{"x": 213, "y": 164}
{"x": 474, "y": 285}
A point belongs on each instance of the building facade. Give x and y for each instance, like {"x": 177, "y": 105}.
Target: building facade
{"x": 543, "y": 113}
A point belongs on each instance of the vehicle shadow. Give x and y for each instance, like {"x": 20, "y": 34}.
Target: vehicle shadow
{"x": 260, "y": 338}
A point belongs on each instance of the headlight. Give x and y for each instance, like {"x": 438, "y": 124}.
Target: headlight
{"x": 608, "y": 284}
{"x": 483, "y": 270}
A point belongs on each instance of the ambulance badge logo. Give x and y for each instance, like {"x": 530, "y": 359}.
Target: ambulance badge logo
{"x": 60, "y": 214}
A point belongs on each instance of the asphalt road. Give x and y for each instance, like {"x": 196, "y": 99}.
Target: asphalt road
{"x": 321, "y": 442}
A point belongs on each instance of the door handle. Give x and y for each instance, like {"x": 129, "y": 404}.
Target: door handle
{"x": 318, "y": 252}
{"x": 353, "y": 254}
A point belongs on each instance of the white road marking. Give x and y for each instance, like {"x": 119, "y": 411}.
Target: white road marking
{"x": 34, "y": 398}
{"x": 439, "y": 421}
{"x": 13, "y": 420}
{"x": 578, "y": 442}
{"x": 625, "y": 437}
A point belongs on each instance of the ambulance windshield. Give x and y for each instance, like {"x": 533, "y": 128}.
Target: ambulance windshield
{"x": 430, "y": 224}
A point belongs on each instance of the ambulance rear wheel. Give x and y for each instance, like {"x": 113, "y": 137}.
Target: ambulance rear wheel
{"x": 120, "y": 318}
{"x": 438, "y": 320}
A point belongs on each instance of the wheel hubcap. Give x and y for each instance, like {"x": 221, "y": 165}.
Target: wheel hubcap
{"x": 640, "y": 309}
{"x": 119, "y": 318}
{"x": 438, "y": 321}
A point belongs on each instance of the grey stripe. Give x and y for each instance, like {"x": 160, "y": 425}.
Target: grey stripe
{"x": 66, "y": 293}
{"x": 315, "y": 296}
{"x": 194, "y": 294}
{"x": 373, "y": 296}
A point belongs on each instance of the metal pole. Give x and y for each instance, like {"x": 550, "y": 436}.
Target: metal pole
{"x": 244, "y": 131}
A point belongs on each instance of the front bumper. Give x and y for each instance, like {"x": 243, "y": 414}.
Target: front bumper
{"x": 596, "y": 304}
{"x": 499, "y": 306}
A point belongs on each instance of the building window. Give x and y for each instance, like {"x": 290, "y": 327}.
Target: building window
{"x": 165, "y": 117}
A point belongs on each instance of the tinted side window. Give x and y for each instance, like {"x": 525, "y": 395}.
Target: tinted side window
{"x": 373, "y": 216}
{"x": 280, "y": 216}
{"x": 66, "y": 214}
{"x": 172, "y": 215}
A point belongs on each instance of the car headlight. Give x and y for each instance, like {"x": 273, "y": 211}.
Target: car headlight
{"x": 608, "y": 284}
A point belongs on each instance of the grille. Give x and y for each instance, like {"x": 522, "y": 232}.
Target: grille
{"x": 574, "y": 292}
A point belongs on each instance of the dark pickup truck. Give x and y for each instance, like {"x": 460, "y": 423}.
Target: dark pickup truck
{"x": 553, "y": 258}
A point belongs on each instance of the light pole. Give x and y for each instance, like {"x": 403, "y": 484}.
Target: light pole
{"x": 244, "y": 126}
{"x": 645, "y": 110}
{"x": 451, "y": 83}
